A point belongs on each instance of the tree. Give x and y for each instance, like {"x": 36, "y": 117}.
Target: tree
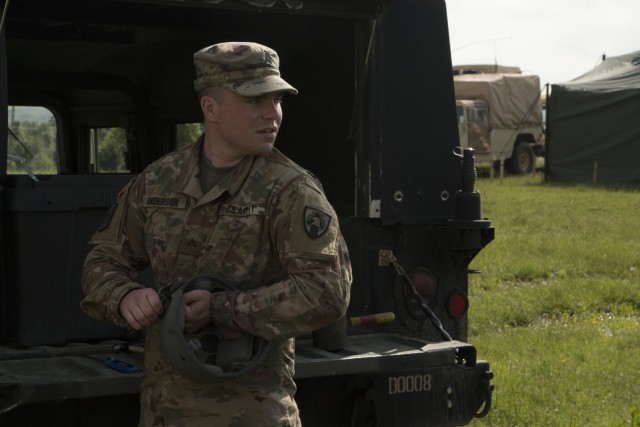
{"x": 34, "y": 143}
{"x": 112, "y": 150}
{"x": 187, "y": 133}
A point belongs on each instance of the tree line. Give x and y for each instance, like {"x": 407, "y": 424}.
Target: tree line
{"x": 32, "y": 146}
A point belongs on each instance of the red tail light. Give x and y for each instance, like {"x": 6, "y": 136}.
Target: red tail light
{"x": 458, "y": 304}
{"x": 425, "y": 282}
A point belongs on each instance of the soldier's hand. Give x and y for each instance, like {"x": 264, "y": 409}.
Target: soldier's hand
{"x": 141, "y": 307}
{"x": 196, "y": 313}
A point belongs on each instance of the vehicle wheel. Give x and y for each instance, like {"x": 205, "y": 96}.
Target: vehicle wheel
{"x": 522, "y": 160}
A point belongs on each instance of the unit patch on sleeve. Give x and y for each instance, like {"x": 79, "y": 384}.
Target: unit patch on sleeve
{"x": 316, "y": 222}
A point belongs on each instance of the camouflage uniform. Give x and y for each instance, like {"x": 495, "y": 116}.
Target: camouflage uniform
{"x": 268, "y": 229}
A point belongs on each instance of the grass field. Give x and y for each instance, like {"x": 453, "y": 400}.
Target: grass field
{"x": 556, "y": 309}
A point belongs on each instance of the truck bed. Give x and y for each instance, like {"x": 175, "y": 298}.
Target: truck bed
{"x": 47, "y": 373}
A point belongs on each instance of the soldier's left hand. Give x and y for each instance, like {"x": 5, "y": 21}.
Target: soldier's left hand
{"x": 197, "y": 313}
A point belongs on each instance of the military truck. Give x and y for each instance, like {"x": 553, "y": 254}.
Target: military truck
{"x": 500, "y": 115}
{"x": 92, "y": 91}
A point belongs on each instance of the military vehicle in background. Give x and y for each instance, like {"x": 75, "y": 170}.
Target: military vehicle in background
{"x": 91, "y": 92}
{"x": 500, "y": 115}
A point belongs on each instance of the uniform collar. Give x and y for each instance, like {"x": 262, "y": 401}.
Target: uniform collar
{"x": 189, "y": 183}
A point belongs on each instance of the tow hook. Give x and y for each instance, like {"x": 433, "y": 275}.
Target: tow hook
{"x": 487, "y": 389}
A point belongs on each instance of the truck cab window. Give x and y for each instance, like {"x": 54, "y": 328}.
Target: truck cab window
{"x": 32, "y": 141}
{"x": 460, "y": 114}
{"x": 473, "y": 117}
{"x": 186, "y": 133}
{"x": 108, "y": 150}
{"x": 483, "y": 117}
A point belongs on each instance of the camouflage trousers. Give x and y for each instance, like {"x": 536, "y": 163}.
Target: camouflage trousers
{"x": 275, "y": 409}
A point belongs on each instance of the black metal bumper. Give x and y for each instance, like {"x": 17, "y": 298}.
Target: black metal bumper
{"x": 377, "y": 379}
{"x": 392, "y": 380}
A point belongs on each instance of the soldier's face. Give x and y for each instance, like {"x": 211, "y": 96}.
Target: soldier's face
{"x": 248, "y": 125}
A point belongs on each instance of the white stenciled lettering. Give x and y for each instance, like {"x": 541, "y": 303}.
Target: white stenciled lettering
{"x": 409, "y": 383}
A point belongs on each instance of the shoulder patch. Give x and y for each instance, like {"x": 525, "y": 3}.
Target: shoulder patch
{"x": 316, "y": 222}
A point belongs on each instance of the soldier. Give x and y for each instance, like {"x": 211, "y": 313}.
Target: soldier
{"x": 229, "y": 207}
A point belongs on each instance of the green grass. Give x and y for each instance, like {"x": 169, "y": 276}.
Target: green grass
{"x": 556, "y": 309}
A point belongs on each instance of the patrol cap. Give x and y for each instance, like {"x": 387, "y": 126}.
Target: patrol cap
{"x": 245, "y": 68}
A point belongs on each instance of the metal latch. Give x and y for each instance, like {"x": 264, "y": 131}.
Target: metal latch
{"x": 384, "y": 257}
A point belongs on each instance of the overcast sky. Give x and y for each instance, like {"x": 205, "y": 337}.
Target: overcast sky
{"x": 556, "y": 39}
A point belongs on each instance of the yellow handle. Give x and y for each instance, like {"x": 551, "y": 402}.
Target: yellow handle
{"x": 372, "y": 319}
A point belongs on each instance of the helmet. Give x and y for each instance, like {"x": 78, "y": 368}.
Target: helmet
{"x": 205, "y": 356}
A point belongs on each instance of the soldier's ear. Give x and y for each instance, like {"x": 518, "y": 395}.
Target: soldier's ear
{"x": 210, "y": 108}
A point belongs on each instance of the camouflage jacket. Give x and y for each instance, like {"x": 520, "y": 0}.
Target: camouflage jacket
{"x": 267, "y": 228}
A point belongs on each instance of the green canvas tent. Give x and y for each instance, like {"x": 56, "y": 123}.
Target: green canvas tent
{"x": 594, "y": 125}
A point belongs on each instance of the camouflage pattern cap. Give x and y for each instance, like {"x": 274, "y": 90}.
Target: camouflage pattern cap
{"x": 245, "y": 68}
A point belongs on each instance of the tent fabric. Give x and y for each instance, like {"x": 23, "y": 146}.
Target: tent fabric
{"x": 594, "y": 126}
{"x": 513, "y": 98}
{"x": 611, "y": 75}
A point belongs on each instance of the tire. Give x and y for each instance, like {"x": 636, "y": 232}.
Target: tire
{"x": 522, "y": 160}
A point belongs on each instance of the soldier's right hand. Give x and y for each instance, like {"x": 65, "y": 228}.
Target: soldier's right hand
{"x": 141, "y": 307}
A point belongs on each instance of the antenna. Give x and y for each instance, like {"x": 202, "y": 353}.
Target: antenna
{"x": 481, "y": 41}
{"x": 495, "y": 47}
